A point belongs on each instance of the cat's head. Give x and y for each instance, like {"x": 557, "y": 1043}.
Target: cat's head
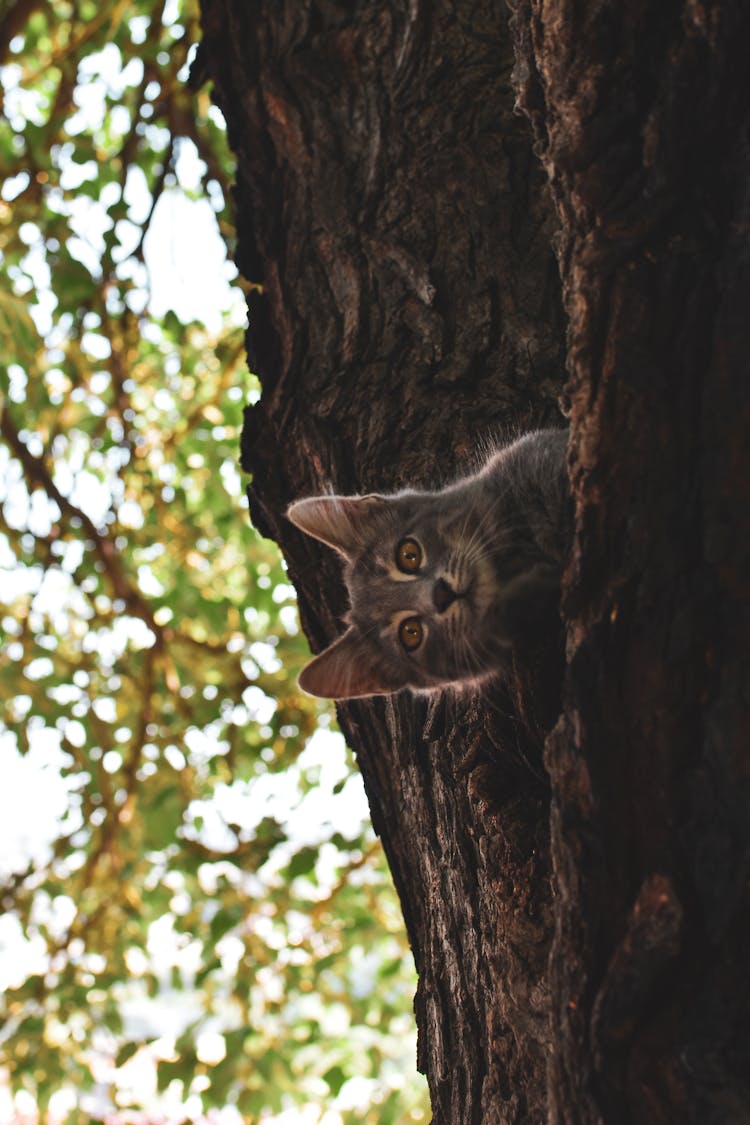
{"x": 419, "y": 587}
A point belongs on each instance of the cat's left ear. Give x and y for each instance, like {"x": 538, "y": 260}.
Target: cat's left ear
{"x": 340, "y": 521}
{"x": 348, "y": 669}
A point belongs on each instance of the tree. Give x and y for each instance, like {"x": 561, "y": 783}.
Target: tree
{"x": 573, "y": 890}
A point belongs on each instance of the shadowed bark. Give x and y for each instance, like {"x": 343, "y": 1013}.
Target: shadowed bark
{"x": 393, "y": 212}
{"x": 641, "y": 114}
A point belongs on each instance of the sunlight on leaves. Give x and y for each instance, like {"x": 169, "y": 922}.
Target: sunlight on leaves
{"x": 196, "y": 914}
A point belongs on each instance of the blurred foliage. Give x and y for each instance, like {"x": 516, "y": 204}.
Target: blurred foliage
{"x": 206, "y": 920}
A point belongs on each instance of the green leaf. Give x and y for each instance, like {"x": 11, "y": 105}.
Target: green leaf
{"x": 224, "y": 920}
{"x": 335, "y": 1079}
{"x": 18, "y": 335}
{"x": 302, "y": 863}
{"x": 126, "y": 1052}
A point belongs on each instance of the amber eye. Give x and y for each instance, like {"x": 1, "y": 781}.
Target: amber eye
{"x": 408, "y": 556}
{"x": 410, "y": 633}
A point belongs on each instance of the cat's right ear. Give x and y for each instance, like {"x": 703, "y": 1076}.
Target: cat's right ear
{"x": 339, "y": 521}
{"x": 347, "y": 669}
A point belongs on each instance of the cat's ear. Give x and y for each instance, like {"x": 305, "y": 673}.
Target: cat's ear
{"x": 340, "y": 521}
{"x": 347, "y": 669}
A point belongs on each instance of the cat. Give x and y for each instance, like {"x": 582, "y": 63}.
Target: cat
{"x": 443, "y": 585}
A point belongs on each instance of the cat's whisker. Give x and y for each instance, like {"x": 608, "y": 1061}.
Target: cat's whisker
{"x": 481, "y": 544}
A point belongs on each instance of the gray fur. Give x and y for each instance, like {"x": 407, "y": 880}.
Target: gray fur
{"x": 498, "y": 538}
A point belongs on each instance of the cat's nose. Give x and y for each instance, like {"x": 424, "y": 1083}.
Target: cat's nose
{"x": 443, "y": 595}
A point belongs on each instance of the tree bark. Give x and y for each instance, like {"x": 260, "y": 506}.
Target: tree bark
{"x": 398, "y": 230}
{"x": 641, "y": 114}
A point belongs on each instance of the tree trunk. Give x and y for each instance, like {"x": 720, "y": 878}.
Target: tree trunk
{"x": 401, "y": 229}
{"x": 641, "y": 116}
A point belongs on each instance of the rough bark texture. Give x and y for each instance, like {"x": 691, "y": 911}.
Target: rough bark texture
{"x": 392, "y": 210}
{"x": 641, "y": 114}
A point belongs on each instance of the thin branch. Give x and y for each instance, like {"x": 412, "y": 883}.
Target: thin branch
{"x": 37, "y": 472}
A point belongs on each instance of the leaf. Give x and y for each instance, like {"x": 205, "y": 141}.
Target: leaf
{"x": 302, "y": 862}
{"x": 224, "y": 920}
{"x": 168, "y": 1071}
{"x": 126, "y": 1052}
{"x": 335, "y": 1079}
{"x": 19, "y": 338}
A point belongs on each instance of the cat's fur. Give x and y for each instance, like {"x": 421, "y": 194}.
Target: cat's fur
{"x": 492, "y": 546}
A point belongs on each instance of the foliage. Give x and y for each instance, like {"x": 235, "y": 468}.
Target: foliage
{"x": 212, "y": 913}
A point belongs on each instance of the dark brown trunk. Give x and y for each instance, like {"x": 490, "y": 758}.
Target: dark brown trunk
{"x": 641, "y": 116}
{"x": 391, "y": 208}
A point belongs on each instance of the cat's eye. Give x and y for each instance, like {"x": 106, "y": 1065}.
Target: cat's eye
{"x": 408, "y": 556}
{"x": 410, "y": 633}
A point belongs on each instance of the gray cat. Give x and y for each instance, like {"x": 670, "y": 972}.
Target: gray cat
{"x": 443, "y": 585}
